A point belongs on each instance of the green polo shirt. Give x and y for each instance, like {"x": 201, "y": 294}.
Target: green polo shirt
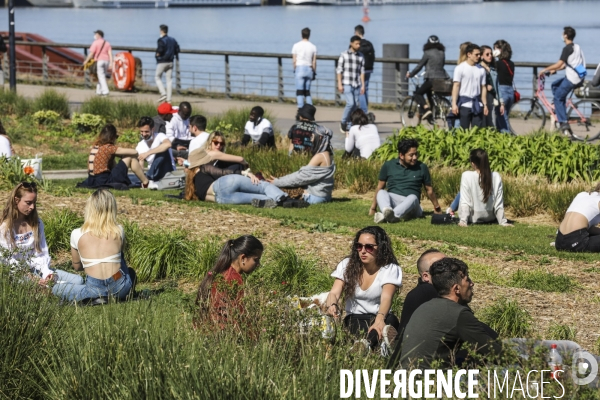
{"x": 404, "y": 180}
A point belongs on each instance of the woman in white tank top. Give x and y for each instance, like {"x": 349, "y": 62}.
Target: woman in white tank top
{"x": 578, "y": 231}
{"x": 97, "y": 249}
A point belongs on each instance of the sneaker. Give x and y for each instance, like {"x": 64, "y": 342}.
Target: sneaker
{"x": 449, "y": 211}
{"x": 427, "y": 114}
{"x": 152, "y": 185}
{"x": 388, "y": 343}
{"x": 565, "y": 129}
{"x": 388, "y": 215}
{"x": 379, "y": 218}
{"x": 294, "y": 203}
{"x": 343, "y": 128}
{"x": 269, "y": 203}
{"x": 162, "y": 99}
{"x": 360, "y": 347}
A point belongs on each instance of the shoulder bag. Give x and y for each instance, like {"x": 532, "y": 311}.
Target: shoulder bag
{"x": 92, "y": 65}
{"x": 512, "y": 74}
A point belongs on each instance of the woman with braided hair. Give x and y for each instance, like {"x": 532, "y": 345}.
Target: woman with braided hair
{"x": 368, "y": 280}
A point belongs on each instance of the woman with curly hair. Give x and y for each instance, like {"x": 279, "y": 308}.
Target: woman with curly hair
{"x": 368, "y": 280}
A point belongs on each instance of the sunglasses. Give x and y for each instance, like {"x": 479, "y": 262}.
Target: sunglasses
{"x": 369, "y": 248}
{"x": 28, "y": 185}
{"x": 218, "y": 142}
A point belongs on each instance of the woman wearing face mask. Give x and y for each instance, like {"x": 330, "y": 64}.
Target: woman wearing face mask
{"x": 491, "y": 82}
{"x": 506, "y": 71}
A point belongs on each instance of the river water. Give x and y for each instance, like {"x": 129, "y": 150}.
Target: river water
{"x": 534, "y": 28}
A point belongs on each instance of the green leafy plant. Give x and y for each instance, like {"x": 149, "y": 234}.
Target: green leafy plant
{"x": 46, "y": 117}
{"x": 12, "y": 172}
{"x": 87, "y": 122}
{"x": 51, "y": 100}
{"x": 507, "y": 318}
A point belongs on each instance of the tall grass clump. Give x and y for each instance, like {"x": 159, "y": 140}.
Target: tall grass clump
{"x": 14, "y": 104}
{"x": 234, "y": 120}
{"x": 273, "y": 162}
{"x": 286, "y": 271}
{"x": 128, "y": 113}
{"x": 507, "y": 318}
{"x": 28, "y": 319}
{"x": 98, "y": 106}
{"x": 542, "y": 281}
{"x": 446, "y": 182}
{"x": 58, "y": 225}
{"x": 561, "y": 332}
{"x": 51, "y": 100}
{"x": 557, "y": 199}
{"x": 359, "y": 176}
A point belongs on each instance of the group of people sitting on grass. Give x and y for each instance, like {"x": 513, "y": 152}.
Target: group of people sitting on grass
{"x": 96, "y": 248}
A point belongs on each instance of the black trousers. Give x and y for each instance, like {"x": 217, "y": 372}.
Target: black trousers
{"x": 469, "y": 120}
{"x": 578, "y": 241}
{"x": 359, "y": 324}
{"x": 424, "y": 89}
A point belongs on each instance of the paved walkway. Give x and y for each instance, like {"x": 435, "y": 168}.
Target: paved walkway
{"x": 285, "y": 114}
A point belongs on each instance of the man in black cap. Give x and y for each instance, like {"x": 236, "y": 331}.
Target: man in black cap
{"x": 301, "y": 133}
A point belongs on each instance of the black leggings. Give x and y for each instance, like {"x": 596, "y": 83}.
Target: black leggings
{"x": 424, "y": 89}
{"x": 578, "y": 241}
{"x": 359, "y": 324}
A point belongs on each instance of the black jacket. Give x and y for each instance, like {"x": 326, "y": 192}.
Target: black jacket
{"x": 433, "y": 60}
{"x": 167, "y": 49}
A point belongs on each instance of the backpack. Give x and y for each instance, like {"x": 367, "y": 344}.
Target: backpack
{"x": 171, "y": 181}
{"x": 368, "y": 52}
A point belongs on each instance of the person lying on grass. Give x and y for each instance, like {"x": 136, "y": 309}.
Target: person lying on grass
{"x": 216, "y": 144}
{"x": 578, "y": 231}
{"x": 481, "y": 196}
{"x": 221, "y": 291}
{"x": 22, "y": 240}
{"x": 103, "y": 171}
{"x": 317, "y": 176}
{"x": 205, "y": 182}
{"x": 97, "y": 249}
{"x": 368, "y": 280}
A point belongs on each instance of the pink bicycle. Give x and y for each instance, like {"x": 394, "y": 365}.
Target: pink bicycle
{"x": 529, "y": 115}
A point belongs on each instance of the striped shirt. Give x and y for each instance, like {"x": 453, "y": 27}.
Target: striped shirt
{"x": 351, "y": 66}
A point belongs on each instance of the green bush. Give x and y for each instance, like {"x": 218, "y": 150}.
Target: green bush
{"x": 561, "y": 332}
{"x": 87, "y": 122}
{"x": 545, "y": 154}
{"x": 507, "y": 318}
{"x": 51, "y": 100}
{"x": 46, "y": 117}
{"x": 128, "y": 113}
{"x": 543, "y": 281}
{"x": 12, "y": 173}
{"x": 97, "y": 105}
{"x": 14, "y": 104}
{"x": 58, "y": 225}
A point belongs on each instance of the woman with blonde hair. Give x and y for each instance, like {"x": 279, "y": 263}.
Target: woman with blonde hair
{"x": 22, "y": 239}
{"x": 97, "y": 249}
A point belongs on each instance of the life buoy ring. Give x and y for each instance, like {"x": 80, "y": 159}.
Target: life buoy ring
{"x": 124, "y": 71}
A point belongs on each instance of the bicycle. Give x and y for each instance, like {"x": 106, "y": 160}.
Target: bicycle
{"x": 409, "y": 109}
{"x": 529, "y": 115}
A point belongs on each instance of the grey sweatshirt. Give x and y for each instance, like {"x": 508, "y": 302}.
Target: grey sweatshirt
{"x": 317, "y": 180}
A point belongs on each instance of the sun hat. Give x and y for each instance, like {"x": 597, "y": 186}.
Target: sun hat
{"x": 198, "y": 157}
{"x": 307, "y": 111}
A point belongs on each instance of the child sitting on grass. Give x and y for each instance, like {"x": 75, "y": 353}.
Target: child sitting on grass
{"x": 220, "y": 293}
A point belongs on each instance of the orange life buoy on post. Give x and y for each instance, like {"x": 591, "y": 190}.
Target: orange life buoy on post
{"x": 124, "y": 71}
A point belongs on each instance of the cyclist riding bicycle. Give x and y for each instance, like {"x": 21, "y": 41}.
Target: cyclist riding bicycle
{"x": 573, "y": 60}
{"x": 434, "y": 58}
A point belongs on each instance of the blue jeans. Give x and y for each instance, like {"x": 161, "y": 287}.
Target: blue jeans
{"x": 455, "y": 202}
{"x": 507, "y": 93}
{"x": 560, "y": 90}
{"x": 161, "y": 164}
{"x": 237, "y": 189}
{"x": 405, "y": 207}
{"x": 312, "y": 199}
{"x": 71, "y": 287}
{"x": 352, "y": 95}
{"x": 304, "y": 75}
{"x": 364, "y": 98}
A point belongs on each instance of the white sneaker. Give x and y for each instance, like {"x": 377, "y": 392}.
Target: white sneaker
{"x": 360, "y": 347}
{"x": 449, "y": 210}
{"x": 379, "y": 218}
{"x": 162, "y": 99}
{"x": 152, "y": 185}
{"x": 389, "y": 336}
{"x": 389, "y": 216}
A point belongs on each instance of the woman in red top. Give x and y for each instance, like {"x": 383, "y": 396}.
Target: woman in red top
{"x": 102, "y": 170}
{"x": 220, "y": 293}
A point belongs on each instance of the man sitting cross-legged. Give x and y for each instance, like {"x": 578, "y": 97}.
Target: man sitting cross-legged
{"x": 438, "y": 328}
{"x": 403, "y": 179}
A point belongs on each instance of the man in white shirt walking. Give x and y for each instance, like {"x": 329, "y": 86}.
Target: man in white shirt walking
{"x": 469, "y": 93}
{"x": 178, "y": 130}
{"x": 304, "y": 59}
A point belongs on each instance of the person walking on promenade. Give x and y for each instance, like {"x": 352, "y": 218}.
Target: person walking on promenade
{"x": 403, "y": 178}
{"x": 573, "y": 60}
{"x": 101, "y": 51}
{"x": 491, "y": 84}
{"x": 434, "y": 59}
{"x": 351, "y": 79}
{"x": 506, "y": 72}
{"x": 166, "y": 50}
{"x": 368, "y": 52}
{"x": 304, "y": 60}
{"x": 469, "y": 93}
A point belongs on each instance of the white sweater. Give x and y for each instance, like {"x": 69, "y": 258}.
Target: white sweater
{"x": 471, "y": 206}
{"x": 365, "y": 139}
{"x": 25, "y": 253}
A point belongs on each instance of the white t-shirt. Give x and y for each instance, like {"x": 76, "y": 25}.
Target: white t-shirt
{"x": 471, "y": 79}
{"x": 155, "y": 140}
{"x": 177, "y": 128}
{"x": 365, "y": 139}
{"x": 304, "y": 51}
{"x": 368, "y": 301}
{"x": 586, "y": 204}
{"x": 198, "y": 142}
{"x": 573, "y": 56}
{"x": 25, "y": 252}
{"x": 5, "y": 147}
{"x": 255, "y": 132}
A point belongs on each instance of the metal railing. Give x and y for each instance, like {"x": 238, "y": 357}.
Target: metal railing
{"x": 235, "y": 73}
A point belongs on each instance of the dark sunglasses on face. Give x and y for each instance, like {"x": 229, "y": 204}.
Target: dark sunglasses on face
{"x": 216, "y": 142}
{"x": 369, "y": 248}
